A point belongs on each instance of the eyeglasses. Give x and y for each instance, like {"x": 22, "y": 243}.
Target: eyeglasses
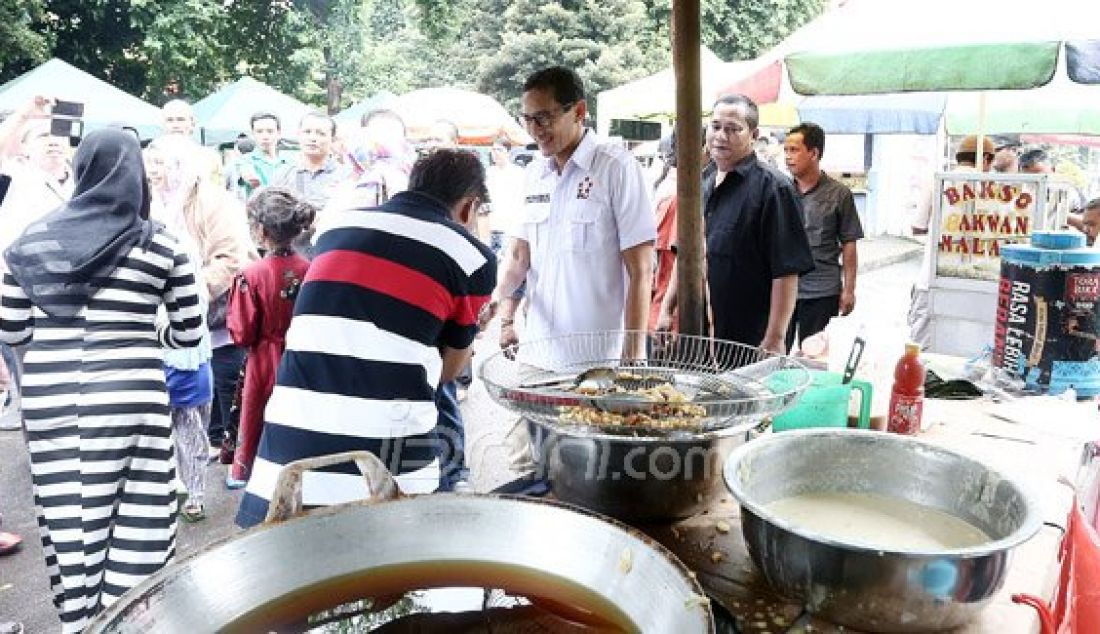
{"x": 544, "y": 118}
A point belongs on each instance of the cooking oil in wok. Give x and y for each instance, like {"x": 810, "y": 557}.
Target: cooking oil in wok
{"x": 453, "y": 596}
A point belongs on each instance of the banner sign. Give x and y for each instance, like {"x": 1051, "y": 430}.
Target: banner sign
{"x": 978, "y": 218}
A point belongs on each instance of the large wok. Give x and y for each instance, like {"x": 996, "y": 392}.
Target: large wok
{"x": 239, "y": 583}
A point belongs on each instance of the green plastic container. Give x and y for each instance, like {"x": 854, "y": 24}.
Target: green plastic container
{"x": 823, "y": 404}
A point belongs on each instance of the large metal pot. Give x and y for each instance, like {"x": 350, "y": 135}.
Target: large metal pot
{"x": 868, "y": 588}
{"x": 648, "y": 471}
{"x": 637, "y": 480}
{"x": 240, "y": 580}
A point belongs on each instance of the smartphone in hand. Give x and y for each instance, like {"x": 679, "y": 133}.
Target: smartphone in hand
{"x": 73, "y": 129}
{"x": 62, "y": 108}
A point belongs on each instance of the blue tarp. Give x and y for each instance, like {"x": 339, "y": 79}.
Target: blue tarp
{"x": 901, "y": 113}
{"x": 1083, "y": 61}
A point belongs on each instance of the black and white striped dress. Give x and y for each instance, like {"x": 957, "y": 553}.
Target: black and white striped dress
{"x": 99, "y": 433}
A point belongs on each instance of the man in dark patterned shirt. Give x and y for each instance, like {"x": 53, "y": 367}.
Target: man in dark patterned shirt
{"x": 832, "y": 229}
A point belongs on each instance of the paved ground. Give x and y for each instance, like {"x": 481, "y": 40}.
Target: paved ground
{"x": 888, "y": 267}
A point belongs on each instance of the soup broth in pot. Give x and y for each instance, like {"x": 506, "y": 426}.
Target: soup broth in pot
{"x": 877, "y": 521}
{"x": 441, "y": 597}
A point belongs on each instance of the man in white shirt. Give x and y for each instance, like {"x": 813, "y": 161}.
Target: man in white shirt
{"x": 35, "y": 165}
{"x": 505, "y": 180}
{"x": 584, "y": 239}
{"x": 38, "y": 166}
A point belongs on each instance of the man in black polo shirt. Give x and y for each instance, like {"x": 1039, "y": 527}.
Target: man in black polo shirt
{"x": 756, "y": 245}
{"x": 832, "y": 228}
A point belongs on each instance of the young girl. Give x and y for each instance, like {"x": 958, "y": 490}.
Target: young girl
{"x": 260, "y": 306}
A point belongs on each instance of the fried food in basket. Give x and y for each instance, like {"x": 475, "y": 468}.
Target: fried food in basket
{"x": 671, "y": 409}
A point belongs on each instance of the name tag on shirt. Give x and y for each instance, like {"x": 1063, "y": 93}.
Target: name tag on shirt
{"x": 537, "y": 199}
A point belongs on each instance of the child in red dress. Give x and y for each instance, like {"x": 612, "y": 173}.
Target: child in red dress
{"x": 260, "y": 307}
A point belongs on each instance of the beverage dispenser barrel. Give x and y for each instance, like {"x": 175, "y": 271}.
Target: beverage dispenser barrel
{"x": 1048, "y": 314}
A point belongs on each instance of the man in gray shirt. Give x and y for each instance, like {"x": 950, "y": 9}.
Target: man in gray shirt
{"x": 832, "y": 228}
{"x": 315, "y": 175}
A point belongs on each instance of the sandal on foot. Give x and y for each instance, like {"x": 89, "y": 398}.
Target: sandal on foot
{"x": 225, "y": 455}
{"x": 233, "y": 484}
{"x": 193, "y": 512}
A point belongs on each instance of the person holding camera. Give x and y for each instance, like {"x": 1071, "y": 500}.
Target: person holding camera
{"x": 35, "y": 179}
{"x": 34, "y": 168}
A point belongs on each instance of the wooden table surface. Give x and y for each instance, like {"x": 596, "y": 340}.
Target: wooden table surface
{"x": 1037, "y": 453}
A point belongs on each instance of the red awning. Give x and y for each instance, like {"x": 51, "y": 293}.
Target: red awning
{"x": 762, "y": 86}
{"x": 1061, "y": 139}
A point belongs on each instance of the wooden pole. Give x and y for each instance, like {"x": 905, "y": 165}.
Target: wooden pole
{"x": 689, "y": 116}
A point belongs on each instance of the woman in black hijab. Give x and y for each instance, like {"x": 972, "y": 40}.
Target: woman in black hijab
{"x": 82, "y": 291}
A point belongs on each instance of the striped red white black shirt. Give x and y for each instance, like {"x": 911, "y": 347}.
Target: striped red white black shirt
{"x": 387, "y": 288}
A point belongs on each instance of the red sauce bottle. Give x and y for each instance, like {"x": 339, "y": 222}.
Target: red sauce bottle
{"x": 907, "y": 398}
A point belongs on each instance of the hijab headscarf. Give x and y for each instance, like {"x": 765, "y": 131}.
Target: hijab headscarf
{"x": 182, "y": 177}
{"x": 59, "y": 259}
{"x": 381, "y": 167}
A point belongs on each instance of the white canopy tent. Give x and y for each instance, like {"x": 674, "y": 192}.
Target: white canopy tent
{"x": 226, "y": 113}
{"x": 654, "y": 97}
{"x": 104, "y": 104}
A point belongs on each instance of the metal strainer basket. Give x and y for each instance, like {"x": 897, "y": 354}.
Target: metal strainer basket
{"x": 729, "y": 386}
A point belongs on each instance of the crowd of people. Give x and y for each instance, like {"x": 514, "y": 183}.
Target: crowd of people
{"x": 161, "y": 308}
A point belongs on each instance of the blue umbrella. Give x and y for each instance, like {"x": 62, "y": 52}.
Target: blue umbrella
{"x": 905, "y": 113}
{"x": 1083, "y": 61}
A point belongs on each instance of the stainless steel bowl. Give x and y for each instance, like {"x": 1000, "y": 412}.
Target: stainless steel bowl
{"x": 229, "y": 584}
{"x": 868, "y": 588}
{"x": 638, "y": 480}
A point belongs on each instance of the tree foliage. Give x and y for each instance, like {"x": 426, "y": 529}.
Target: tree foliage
{"x": 600, "y": 40}
{"x": 102, "y": 37}
{"x": 192, "y": 47}
{"x": 21, "y": 45}
{"x": 746, "y": 28}
{"x": 159, "y": 49}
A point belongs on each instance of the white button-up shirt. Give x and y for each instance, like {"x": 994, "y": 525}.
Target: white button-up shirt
{"x": 31, "y": 195}
{"x": 577, "y": 224}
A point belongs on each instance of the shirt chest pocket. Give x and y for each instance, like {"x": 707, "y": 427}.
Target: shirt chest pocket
{"x": 586, "y": 226}
{"x": 535, "y": 223}
{"x": 813, "y": 235}
{"x": 815, "y": 227}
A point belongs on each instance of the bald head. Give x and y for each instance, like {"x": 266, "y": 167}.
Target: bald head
{"x": 178, "y": 118}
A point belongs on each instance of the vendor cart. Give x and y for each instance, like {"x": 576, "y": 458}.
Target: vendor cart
{"x": 973, "y": 217}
